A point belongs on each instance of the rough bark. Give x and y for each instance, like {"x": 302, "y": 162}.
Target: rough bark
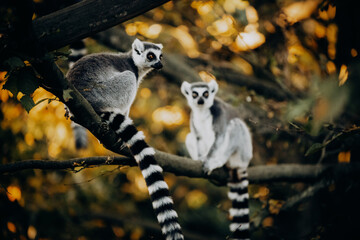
{"x": 182, "y": 166}
{"x": 86, "y": 18}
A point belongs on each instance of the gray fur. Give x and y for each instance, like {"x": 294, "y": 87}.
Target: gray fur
{"x": 217, "y": 135}
{"x": 110, "y": 80}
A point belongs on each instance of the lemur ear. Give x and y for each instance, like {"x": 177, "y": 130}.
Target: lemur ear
{"x": 159, "y": 45}
{"x": 213, "y": 86}
{"x": 185, "y": 88}
{"x": 138, "y": 46}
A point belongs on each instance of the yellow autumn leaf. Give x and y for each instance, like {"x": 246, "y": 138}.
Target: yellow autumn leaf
{"x": 344, "y": 157}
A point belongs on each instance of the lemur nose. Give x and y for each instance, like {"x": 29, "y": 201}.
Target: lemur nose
{"x": 157, "y": 65}
{"x": 201, "y": 101}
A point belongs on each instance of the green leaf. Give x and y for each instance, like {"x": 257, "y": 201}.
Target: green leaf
{"x": 314, "y": 148}
{"x": 23, "y": 81}
{"x": 27, "y": 102}
{"x": 14, "y": 63}
{"x": 28, "y": 83}
{"x": 67, "y": 94}
{"x": 11, "y": 85}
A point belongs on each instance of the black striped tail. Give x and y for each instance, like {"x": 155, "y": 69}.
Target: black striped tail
{"x": 239, "y": 213}
{"x": 152, "y": 172}
{"x": 77, "y": 51}
{"x": 80, "y": 136}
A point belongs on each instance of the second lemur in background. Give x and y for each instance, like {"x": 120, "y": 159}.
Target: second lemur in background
{"x": 219, "y": 137}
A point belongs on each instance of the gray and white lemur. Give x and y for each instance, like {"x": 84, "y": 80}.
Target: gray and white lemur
{"x": 109, "y": 82}
{"x": 219, "y": 137}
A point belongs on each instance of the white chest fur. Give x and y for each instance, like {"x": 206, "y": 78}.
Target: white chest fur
{"x": 202, "y": 120}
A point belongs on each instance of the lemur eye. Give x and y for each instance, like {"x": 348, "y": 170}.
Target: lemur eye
{"x": 206, "y": 94}
{"x": 150, "y": 56}
{"x": 195, "y": 94}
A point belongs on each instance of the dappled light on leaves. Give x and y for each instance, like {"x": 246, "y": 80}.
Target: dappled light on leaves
{"x": 195, "y": 199}
{"x": 249, "y": 40}
{"x": 298, "y": 11}
{"x": 244, "y": 66}
{"x": 328, "y": 14}
{"x": 222, "y": 27}
{"x": 232, "y": 5}
{"x": 190, "y": 46}
{"x": 206, "y": 76}
{"x": 31, "y": 232}
{"x": 169, "y": 116}
{"x": 343, "y": 75}
{"x": 150, "y": 31}
{"x": 268, "y": 222}
{"x": 118, "y": 231}
{"x": 11, "y": 226}
{"x": 262, "y": 192}
{"x": 330, "y": 67}
{"x": 13, "y": 193}
{"x": 145, "y": 93}
{"x": 203, "y": 7}
{"x": 353, "y": 52}
{"x": 275, "y": 206}
{"x": 344, "y": 157}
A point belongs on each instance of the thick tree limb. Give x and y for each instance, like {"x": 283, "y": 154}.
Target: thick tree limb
{"x": 182, "y": 166}
{"x": 66, "y": 164}
{"x": 86, "y": 18}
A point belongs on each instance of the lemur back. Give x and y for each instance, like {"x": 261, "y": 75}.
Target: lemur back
{"x": 219, "y": 137}
{"x": 109, "y": 82}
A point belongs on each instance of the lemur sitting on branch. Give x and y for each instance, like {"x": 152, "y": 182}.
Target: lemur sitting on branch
{"x": 219, "y": 137}
{"x": 109, "y": 82}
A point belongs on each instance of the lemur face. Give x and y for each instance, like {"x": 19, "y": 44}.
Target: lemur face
{"x": 200, "y": 95}
{"x": 147, "y": 55}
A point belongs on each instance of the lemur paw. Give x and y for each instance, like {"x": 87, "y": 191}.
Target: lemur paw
{"x": 207, "y": 170}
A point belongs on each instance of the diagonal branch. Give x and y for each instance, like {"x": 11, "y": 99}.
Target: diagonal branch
{"x": 85, "y": 18}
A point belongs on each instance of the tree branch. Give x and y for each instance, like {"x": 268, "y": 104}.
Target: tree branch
{"x": 182, "y": 166}
{"x": 66, "y": 164}
{"x": 86, "y": 18}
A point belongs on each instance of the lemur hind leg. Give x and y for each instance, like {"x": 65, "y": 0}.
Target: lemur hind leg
{"x": 192, "y": 146}
{"x": 223, "y": 149}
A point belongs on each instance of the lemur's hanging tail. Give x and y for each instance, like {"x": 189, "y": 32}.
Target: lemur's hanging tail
{"x": 152, "y": 172}
{"x": 77, "y": 51}
{"x": 239, "y": 213}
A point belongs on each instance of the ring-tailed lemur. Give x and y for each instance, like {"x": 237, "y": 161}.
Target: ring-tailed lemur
{"x": 219, "y": 137}
{"x": 109, "y": 82}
